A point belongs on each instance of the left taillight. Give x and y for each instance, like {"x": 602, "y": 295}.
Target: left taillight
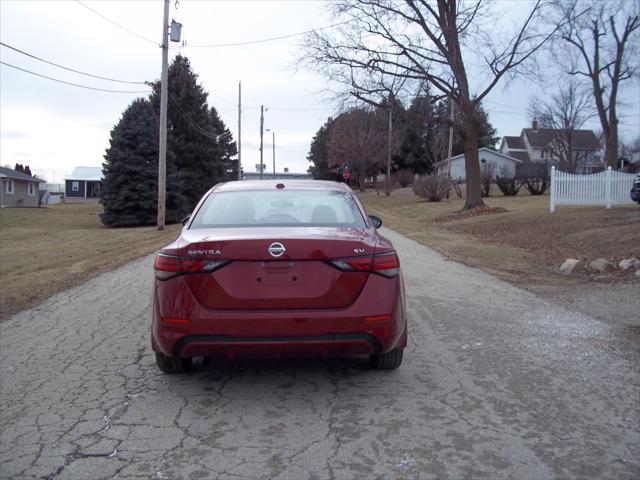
{"x": 168, "y": 266}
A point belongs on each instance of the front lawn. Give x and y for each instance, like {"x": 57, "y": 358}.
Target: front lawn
{"x": 45, "y": 250}
{"x": 525, "y": 243}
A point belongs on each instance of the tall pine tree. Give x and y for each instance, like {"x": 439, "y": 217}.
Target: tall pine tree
{"x": 130, "y": 171}
{"x": 319, "y": 154}
{"x": 200, "y": 155}
{"x": 226, "y": 147}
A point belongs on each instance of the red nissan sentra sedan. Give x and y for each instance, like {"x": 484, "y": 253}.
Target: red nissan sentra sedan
{"x": 278, "y": 268}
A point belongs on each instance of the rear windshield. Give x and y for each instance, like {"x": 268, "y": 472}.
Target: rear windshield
{"x": 275, "y": 208}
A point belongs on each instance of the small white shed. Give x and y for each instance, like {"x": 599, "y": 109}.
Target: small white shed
{"x": 501, "y": 163}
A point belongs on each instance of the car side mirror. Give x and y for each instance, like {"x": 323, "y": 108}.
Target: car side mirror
{"x": 375, "y": 221}
{"x": 185, "y": 220}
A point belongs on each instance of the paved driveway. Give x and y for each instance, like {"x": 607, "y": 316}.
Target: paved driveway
{"x": 497, "y": 383}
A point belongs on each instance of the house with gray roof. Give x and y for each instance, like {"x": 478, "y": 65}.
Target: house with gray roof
{"x": 83, "y": 185}
{"x": 541, "y": 145}
{"x": 18, "y": 189}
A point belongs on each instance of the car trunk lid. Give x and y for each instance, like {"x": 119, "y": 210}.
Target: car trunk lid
{"x": 277, "y": 268}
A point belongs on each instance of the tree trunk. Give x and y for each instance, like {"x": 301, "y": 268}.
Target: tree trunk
{"x": 612, "y": 145}
{"x": 472, "y": 161}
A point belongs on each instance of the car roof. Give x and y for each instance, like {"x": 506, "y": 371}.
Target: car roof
{"x": 248, "y": 185}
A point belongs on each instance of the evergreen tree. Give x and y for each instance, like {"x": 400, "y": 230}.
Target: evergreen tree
{"x": 226, "y": 147}
{"x": 199, "y": 159}
{"x": 426, "y": 134}
{"x": 27, "y": 170}
{"x": 486, "y": 133}
{"x": 130, "y": 184}
{"x": 19, "y": 168}
{"x": 420, "y": 146}
{"x": 319, "y": 154}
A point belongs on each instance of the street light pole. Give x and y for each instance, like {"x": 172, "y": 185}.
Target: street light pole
{"x": 239, "y": 130}
{"x": 162, "y": 159}
{"x": 450, "y": 150}
{"x": 274, "y": 153}
{"x": 387, "y": 189}
{"x": 261, "y": 134}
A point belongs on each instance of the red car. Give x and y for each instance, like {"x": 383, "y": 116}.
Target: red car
{"x": 278, "y": 268}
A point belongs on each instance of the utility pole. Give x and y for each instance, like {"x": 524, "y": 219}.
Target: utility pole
{"x": 450, "y": 149}
{"x": 162, "y": 160}
{"x": 387, "y": 189}
{"x": 239, "y": 130}
{"x": 261, "y": 134}
{"x": 274, "y": 152}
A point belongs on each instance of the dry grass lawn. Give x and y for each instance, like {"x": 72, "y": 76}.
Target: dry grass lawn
{"x": 45, "y": 250}
{"x": 525, "y": 243}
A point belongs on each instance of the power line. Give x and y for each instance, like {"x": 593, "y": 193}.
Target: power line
{"x": 269, "y": 39}
{"x": 117, "y": 24}
{"x": 193, "y": 124}
{"x": 67, "y": 68}
{"x": 502, "y": 104}
{"x": 70, "y": 83}
{"x": 298, "y": 109}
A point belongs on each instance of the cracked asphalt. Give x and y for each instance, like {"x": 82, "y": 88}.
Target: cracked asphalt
{"x": 497, "y": 383}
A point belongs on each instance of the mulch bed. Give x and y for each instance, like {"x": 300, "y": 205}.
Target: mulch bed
{"x": 472, "y": 212}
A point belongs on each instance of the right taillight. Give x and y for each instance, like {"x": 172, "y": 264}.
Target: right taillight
{"x": 167, "y": 266}
{"x": 386, "y": 264}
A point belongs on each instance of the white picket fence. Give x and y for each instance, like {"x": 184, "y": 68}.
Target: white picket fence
{"x": 601, "y": 189}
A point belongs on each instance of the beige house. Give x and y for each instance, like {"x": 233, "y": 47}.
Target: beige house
{"x": 539, "y": 145}
{"x": 18, "y": 189}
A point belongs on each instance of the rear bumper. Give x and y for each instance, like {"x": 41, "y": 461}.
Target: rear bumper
{"x": 317, "y": 346}
{"x": 358, "y": 329}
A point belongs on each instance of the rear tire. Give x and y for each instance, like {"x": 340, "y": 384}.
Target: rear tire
{"x": 172, "y": 364}
{"x": 387, "y": 361}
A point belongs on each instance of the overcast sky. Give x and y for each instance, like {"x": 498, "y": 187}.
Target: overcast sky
{"x": 55, "y": 127}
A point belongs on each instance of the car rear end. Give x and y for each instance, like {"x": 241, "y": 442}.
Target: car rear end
{"x": 275, "y": 269}
{"x": 635, "y": 190}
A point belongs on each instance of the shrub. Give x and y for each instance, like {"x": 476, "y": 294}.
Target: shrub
{"x": 534, "y": 177}
{"x": 404, "y": 178}
{"x": 486, "y": 177}
{"x": 432, "y": 188}
{"x": 537, "y": 185}
{"x": 508, "y": 185}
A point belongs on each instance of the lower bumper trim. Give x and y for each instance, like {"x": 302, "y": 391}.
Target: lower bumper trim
{"x": 227, "y": 339}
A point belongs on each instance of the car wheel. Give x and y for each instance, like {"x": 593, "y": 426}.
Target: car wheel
{"x": 172, "y": 364}
{"x": 387, "y": 361}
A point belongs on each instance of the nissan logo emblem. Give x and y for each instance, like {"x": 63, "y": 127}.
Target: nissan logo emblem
{"x": 276, "y": 249}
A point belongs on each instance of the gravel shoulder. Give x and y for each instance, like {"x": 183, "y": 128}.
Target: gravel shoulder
{"x": 615, "y": 304}
{"x": 497, "y": 383}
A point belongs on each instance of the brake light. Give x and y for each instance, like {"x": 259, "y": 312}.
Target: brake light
{"x": 353, "y": 264}
{"x": 386, "y": 264}
{"x": 167, "y": 266}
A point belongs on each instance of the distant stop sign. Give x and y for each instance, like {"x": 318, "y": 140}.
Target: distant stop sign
{"x": 346, "y": 174}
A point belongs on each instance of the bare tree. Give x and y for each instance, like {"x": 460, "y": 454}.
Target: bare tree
{"x": 432, "y": 42}
{"x": 599, "y": 33}
{"x": 355, "y": 141}
{"x": 563, "y": 114}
